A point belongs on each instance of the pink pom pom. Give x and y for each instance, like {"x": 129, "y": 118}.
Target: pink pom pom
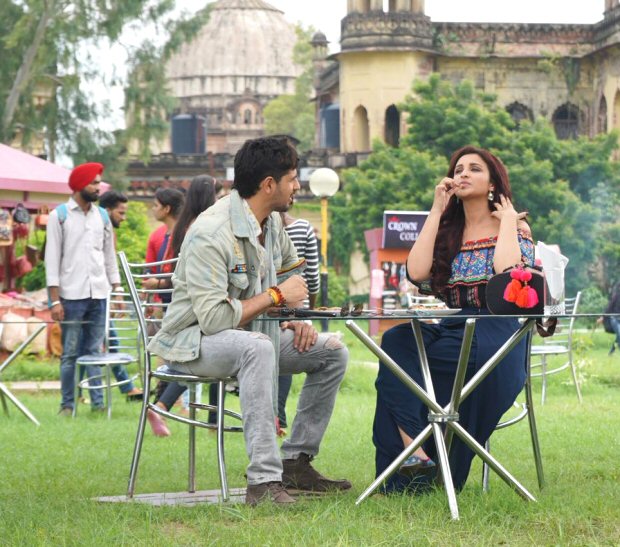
{"x": 532, "y": 297}
{"x": 527, "y": 297}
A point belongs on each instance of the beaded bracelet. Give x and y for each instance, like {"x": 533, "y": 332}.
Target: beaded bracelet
{"x": 276, "y": 295}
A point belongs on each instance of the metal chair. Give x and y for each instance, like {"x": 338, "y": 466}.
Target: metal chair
{"x": 134, "y": 273}
{"x": 526, "y": 409}
{"x": 561, "y": 343}
{"x": 121, "y": 333}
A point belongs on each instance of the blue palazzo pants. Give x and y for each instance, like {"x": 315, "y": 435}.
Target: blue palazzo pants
{"x": 398, "y": 407}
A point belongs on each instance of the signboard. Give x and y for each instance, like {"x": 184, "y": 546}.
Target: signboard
{"x": 401, "y": 228}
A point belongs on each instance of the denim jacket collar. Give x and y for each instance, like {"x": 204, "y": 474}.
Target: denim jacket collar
{"x": 241, "y": 224}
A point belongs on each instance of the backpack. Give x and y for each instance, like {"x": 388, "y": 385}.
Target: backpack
{"x": 62, "y": 211}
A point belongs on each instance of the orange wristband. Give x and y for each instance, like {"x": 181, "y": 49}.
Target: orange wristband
{"x": 276, "y": 295}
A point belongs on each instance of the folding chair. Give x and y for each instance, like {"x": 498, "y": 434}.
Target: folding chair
{"x": 120, "y": 333}
{"x": 561, "y": 343}
{"x": 134, "y": 273}
{"x": 525, "y": 409}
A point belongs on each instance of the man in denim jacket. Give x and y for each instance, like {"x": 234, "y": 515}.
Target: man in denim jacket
{"x": 235, "y": 263}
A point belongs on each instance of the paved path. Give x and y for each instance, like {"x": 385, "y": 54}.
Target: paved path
{"x": 50, "y": 385}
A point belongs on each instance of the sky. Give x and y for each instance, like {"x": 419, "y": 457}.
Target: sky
{"x": 325, "y": 15}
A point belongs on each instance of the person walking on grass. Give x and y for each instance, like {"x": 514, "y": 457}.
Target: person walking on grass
{"x": 302, "y": 235}
{"x": 613, "y": 322}
{"x": 115, "y": 203}
{"x": 201, "y": 194}
{"x": 80, "y": 267}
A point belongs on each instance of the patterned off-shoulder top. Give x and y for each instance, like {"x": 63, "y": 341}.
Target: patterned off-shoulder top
{"x": 471, "y": 269}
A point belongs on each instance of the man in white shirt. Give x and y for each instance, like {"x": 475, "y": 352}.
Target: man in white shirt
{"x": 80, "y": 265}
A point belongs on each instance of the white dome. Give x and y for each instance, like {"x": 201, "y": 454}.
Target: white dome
{"x": 242, "y": 38}
{"x": 238, "y": 62}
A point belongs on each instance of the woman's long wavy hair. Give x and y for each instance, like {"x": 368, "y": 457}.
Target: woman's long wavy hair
{"x": 452, "y": 223}
{"x": 200, "y": 195}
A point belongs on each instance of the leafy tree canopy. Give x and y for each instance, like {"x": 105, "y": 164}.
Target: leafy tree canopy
{"x": 148, "y": 100}
{"x": 45, "y": 63}
{"x": 565, "y": 185}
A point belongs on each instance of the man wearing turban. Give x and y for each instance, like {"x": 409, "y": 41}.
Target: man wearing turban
{"x": 80, "y": 266}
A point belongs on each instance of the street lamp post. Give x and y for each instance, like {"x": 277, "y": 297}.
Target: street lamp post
{"x": 324, "y": 183}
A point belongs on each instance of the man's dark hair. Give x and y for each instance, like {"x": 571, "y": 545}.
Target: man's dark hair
{"x": 260, "y": 158}
{"x": 111, "y": 199}
{"x": 171, "y": 197}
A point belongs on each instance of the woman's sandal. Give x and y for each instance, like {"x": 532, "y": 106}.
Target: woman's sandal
{"x": 415, "y": 465}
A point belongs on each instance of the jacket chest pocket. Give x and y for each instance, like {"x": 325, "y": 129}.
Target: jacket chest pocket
{"x": 238, "y": 283}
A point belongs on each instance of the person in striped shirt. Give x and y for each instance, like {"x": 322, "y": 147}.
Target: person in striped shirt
{"x": 301, "y": 233}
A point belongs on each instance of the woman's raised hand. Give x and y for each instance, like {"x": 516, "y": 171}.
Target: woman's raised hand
{"x": 505, "y": 209}
{"x": 443, "y": 192}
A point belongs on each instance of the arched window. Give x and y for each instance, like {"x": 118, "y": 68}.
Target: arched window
{"x": 361, "y": 131}
{"x": 519, "y": 112}
{"x": 602, "y": 116}
{"x": 566, "y": 121}
{"x": 392, "y": 126}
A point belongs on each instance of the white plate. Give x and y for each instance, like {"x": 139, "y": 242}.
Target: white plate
{"x": 434, "y": 312}
{"x": 398, "y": 311}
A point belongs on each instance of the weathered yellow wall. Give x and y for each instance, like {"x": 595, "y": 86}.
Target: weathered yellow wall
{"x": 375, "y": 80}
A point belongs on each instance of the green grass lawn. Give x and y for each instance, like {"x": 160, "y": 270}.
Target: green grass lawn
{"x": 50, "y": 475}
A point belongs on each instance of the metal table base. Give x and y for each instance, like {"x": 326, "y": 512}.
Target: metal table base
{"x": 447, "y": 415}
{"x": 5, "y": 393}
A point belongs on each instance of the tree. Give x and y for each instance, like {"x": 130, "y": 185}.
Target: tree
{"x": 148, "y": 101}
{"x": 560, "y": 182}
{"x": 133, "y": 234}
{"x": 43, "y": 50}
{"x": 294, "y": 114}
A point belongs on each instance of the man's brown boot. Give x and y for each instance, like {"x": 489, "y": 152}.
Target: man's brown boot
{"x": 274, "y": 491}
{"x": 300, "y": 475}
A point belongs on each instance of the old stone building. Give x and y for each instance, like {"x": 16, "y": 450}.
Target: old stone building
{"x": 566, "y": 73}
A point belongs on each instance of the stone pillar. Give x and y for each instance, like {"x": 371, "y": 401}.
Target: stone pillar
{"x": 357, "y": 6}
{"x": 376, "y": 5}
{"x": 418, "y": 7}
{"x": 403, "y": 5}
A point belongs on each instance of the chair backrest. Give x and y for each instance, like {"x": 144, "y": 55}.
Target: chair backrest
{"x": 122, "y": 330}
{"x": 148, "y": 303}
{"x": 564, "y": 330}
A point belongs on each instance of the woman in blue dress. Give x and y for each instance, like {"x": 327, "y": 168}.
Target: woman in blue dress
{"x": 472, "y": 232}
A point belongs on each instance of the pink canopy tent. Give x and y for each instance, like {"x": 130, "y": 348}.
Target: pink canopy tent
{"x": 30, "y": 180}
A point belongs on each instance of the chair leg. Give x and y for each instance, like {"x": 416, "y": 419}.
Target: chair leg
{"x": 76, "y": 389}
{"x": 191, "y": 481}
{"x": 543, "y": 368}
{"x": 137, "y": 450}
{"x": 529, "y": 402}
{"x": 485, "y": 469}
{"x": 108, "y": 391}
{"x": 4, "y": 405}
{"x": 574, "y": 373}
{"x": 221, "y": 394}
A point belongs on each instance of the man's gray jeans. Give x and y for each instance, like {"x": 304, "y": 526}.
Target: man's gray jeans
{"x": 250, "y": 356}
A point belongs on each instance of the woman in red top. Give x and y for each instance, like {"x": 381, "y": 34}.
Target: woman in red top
{"x": 200, "y": 195}
{"x": 166, "y": 208}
